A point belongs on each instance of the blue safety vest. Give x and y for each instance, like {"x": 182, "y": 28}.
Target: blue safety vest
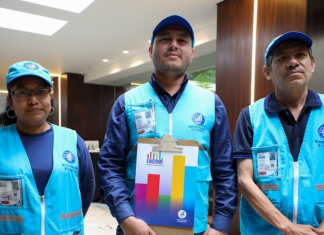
{"x": 193, "y": 118}
{"x": 294, "y": 188}
{"x": 59, "y": 211}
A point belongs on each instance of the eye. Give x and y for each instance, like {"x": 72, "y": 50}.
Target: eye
{"x": 22, "y": 92}
{"x": 41, "y": 92}
{"x": 182, "y": 40}
{"x": 280, "y": 58}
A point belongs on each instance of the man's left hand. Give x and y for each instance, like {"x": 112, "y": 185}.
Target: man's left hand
{"x": 211, "y": 231}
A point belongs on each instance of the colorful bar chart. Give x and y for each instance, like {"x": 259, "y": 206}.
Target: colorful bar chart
{"x": 168, "y": 197}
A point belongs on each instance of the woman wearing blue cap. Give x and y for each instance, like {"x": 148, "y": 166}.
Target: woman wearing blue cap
{"x": 46, "y": 174}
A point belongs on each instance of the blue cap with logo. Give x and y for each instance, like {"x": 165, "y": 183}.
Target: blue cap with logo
{"x": 174, "y": 20}
{"x": 27, "y": 68}
{"x": 293, "y": 35}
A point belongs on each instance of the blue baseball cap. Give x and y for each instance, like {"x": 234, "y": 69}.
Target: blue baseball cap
{"x": 293, "y": 35}
{"x": 27, "y": 68}
{"x": 174, "y": 20}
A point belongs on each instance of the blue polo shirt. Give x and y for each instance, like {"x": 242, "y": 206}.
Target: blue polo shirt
{"x": 112, "y": 160}
{"x": 294, "y": 130}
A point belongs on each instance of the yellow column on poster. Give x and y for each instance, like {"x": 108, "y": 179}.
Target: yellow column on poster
{"x": 178, "y": 173}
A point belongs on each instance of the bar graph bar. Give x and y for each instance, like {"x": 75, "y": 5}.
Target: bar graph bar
{"x": 152, "y": 193}
{"x": 188, "y": 199}
{"x": 177, "y": 188}
{"x": 140, "y": 198}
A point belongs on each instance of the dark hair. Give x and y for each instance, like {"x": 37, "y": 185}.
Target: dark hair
{"x": 270, "y": 57}
{"x": 5, "y": 120}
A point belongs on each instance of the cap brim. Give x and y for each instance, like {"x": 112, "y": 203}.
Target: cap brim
{"x": 173, "y": 20}
{"x": 294, "y": 35}
{"x": 33, "y": 75}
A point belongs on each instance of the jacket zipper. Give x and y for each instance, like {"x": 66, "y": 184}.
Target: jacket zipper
{"x": 296, "y": 183}
{"x": 43, "y": 215}
{"x": 170, "y": 124}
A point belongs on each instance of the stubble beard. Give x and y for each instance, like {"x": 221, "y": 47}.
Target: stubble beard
{"x": 169, "y": 69}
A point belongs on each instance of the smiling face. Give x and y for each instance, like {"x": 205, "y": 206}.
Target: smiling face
{"x": 172, "y": 50}
{"x": 291, "y": 67}
{"x": 32, "y": 111}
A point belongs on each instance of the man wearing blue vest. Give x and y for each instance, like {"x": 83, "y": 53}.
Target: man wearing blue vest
{"x": 175, "y": 107}
{"x": 279, "y": 144}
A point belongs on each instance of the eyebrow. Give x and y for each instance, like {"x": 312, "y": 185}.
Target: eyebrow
{"x": 168, "y": 34}
{"x": 23, "y": 87}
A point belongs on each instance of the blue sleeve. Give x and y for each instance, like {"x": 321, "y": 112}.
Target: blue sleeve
{"x": 243, "y": 136}
{"x": 112, "y": 163}
{"x": 86, "y": 175}
{"x": 223, "y": 170}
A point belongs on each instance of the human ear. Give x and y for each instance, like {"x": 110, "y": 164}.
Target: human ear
{"x": 266, "y": 72}
{"x": 150, "y": 51}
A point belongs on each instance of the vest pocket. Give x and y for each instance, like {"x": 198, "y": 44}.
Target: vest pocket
{"x": 266, "y": 162}
{"x": 72, "y": 222}
{"x": 318, "y": 214}
{"x": 11, "y": 224}
{"x": 74, "y": 231}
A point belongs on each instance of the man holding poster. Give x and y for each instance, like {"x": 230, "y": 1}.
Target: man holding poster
{"x": 168, "y": 104}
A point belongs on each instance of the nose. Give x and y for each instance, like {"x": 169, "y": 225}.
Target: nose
{"x": 173, "y": 44}
{"x": 32, "y": 99}
{"x": 293, "y": 62}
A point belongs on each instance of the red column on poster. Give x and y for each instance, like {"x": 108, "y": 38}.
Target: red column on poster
{"x": 152, "y": 193}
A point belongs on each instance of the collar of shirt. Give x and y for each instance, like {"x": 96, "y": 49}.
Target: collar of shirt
{"x": 167, "y": 100}
{"x": 272, "y": 105}
{"x": 160, "y": 90}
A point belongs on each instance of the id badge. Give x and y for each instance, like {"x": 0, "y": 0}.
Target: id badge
{"x": 267, "y": 163}
{"x": 144, "y": 118}
{"x": 11, "y": 192}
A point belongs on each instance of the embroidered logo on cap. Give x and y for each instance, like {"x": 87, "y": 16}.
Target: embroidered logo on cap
{"x": 69, "y": 157}
{"x": 31, "y": 66}
{"x": 198, "y": 119}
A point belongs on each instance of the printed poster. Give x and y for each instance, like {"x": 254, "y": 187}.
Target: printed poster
{"x": 165, "y": 186}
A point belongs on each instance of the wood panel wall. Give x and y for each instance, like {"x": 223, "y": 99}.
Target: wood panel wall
{"x": 315, "y": 29}
{"x": 274, "y": 18}
{"x": 86, "y": 107}
{"x": 233, "y": 61}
